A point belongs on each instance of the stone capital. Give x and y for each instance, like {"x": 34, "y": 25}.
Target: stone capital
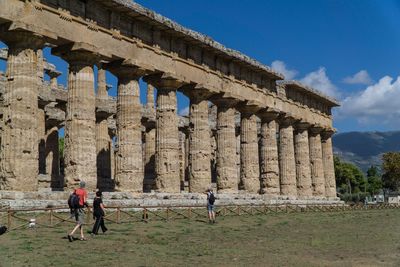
{"x": 226, "y": 100}
{"x": 268, "y": 114}
{"x": 196, "y": 92}
{"x": 302, "y": 126}
{"x": 125, "y": 69}
{"x": 16, "y": 37}
{"x": 249, "y": 107}
{"x": 164, "y": 81}
{"x": 327, "y": 133}
{"x": 79, "y": 53}
{"x": 287, "y": 119}
{"x": 316, "y": 129}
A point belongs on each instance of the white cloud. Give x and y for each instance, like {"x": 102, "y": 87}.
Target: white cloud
{"x": 280, "y": 67}
{"x": 320, "y": 81}
{"x": 361, "y": 77}
{"x": 378, "y": 103}
{"x": 184, "y": 111}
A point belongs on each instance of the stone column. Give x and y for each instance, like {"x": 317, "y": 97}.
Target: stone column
{"x": 317, "y": 168}
{"x": 167, "y": 134}
{"x": 149, "y": 154}
{"x": 53, "y": 79}
{"x": 287, "y": 164}
{"x": 302, "y": 156}
{"x": 19, "y": 147}
{"x": 269, "y": 165}
{"x": 103, "y": 151}
{"x": 150, "y": 97}
{"x": 129, "y": 174}
{"x": 80, "y": 122}
{"x": 42, "y": 141}
{"x": 103, "y": 139}
{"x": 249, "y": 156}
{"x": 199, "y": 142}
{"x": 182, "y": 158}
{"x": 329, "y": 170}
{"x": 227, "y": 173}
{"x": 53, "y": 158}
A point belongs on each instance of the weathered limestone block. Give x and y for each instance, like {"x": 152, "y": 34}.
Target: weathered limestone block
{"x": 227, "y": 172}
{"x": 249, "y": 160}
{"x": 317, "y": 167}
{"x": 129, "y": 165}
{"x": 302, "y": 155}
{"x": 286, "y": 157}
{"x": 269, "y": 159}
{"x": 199, "y": 145}
{"x": 19, "y": 146}
{"x": 80, "y": 124}
{"x": 329, "y": 170}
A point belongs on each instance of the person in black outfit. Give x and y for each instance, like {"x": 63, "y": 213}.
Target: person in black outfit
{"x": 98, "y": 214}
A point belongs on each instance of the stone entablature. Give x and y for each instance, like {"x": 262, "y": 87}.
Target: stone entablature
{"x": 266, "y": 138}
{"x": 45, "y": 19}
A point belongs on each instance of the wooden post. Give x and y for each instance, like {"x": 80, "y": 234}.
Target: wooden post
{"x": 167, "y": 213}
{"x": 118, "y": 215}
{"x": 9, "y": 212}
{"x": 190, "y": 212}
{"x": 51, "y": 217}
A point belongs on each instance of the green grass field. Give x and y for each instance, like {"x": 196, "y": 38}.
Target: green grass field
{"x": 359, "y": 238}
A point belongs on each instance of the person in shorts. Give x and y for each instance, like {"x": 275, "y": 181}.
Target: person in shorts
{"x": 80, "y": 213}
{"x": 210, "y": 205}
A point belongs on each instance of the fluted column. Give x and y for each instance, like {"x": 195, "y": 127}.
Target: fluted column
{"x": 249, "y": 156}
{"x": 287, "y": 164}
{"x": 269, "y": 159}
{"x": 149, "y": 154}
{"x": 19, "y": 146}
{"x": 167, "y": 134}
{"x": 103, "y": 139}
{"x": 329, "y": 170}
{"x": 41, "y": 134}
{"x": 150, "y": 97}
{"x": 53, "y": 80}
{"x": 317, "y": 168}
{"x": 302, "y": 156}
{"x": 53, "y": 158}
{"x": 227, "y": 173}
{"x": 129, "y": 174}
{"x": 199, "y": 143}
{"x": 103, "y": 150}
{"x": 80, "y": 122}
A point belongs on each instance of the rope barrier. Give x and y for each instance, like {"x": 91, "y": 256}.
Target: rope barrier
{"x": 129, "y": 214}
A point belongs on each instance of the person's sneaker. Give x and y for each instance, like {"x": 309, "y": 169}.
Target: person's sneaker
{"x": 70, "y": 238}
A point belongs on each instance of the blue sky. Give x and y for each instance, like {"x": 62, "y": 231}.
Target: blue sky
{"x": 348, "y": 49}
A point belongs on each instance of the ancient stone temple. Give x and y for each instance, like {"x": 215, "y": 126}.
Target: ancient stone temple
{"x": 248, "y": 131}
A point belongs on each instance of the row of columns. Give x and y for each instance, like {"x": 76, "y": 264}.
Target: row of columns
{"x": 297, "y": 164}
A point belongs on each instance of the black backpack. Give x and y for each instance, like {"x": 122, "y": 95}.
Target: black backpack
{"x": 73, "y": 201}
{"x": 211, "y": 198}
{"x": 3, "y": 229}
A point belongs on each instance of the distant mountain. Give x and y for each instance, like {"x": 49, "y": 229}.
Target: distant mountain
{"x": 365, "y": 148}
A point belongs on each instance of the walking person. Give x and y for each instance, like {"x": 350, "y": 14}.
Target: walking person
{"x": 78, "y": 201}
{"x": 98, "y": 214}
{"x": 210, "y": 205}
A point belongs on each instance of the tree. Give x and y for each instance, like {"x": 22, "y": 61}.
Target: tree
{"x": 374, "y": 180}
{"x": 391, "y": 170}
{"x": 349, "y": 178}
{"x": 61, "y": 146}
